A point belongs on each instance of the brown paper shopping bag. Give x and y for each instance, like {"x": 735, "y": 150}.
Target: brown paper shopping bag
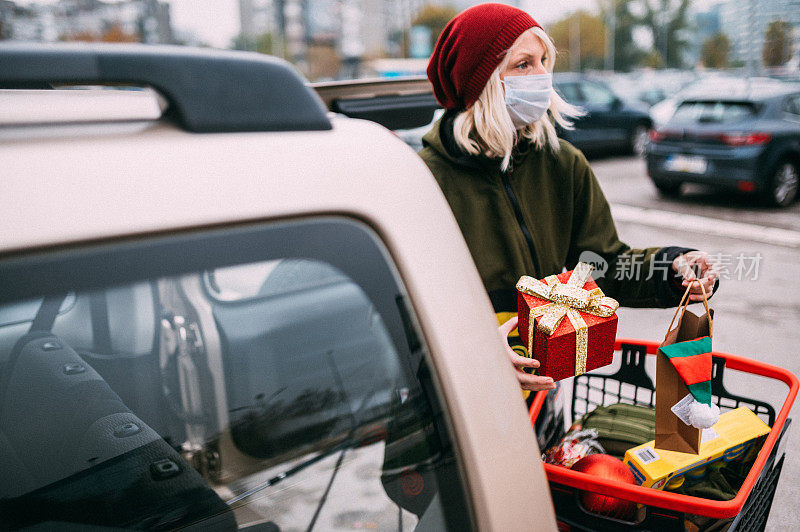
{"x": 672, "y": 434}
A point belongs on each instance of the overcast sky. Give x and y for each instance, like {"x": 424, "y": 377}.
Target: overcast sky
{"x": 216, "y": 22}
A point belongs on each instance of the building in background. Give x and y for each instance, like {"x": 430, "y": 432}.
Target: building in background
{"x": 329, "y": 39}
{"x": 257, "y": 17}
{"x": 146, "y": 21}
{"x": 745, "y": 23}
{"x": 6, "y": 15}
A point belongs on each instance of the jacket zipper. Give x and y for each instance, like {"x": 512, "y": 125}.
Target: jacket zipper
{"x": 512, "y": 196}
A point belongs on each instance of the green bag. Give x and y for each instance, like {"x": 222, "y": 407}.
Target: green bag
{"x": 720, "y": 481}
{"x": 621, "y": 426}
{"x": 716, "y": 485}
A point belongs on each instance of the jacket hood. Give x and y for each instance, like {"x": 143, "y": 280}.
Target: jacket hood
{"x": 440, "y": 139}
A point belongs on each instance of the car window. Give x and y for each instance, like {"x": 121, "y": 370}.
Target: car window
{"x": 652, "y": 96}
{"x": 24, "y": 311}
{"x": 284, "y": 384}
{"x": 596, "y": 94}
{"x": 269, "y": 278}
{"x": 792, "y": 104}
{"x": 720, "y": 112}
{"x": 569, "y": 92}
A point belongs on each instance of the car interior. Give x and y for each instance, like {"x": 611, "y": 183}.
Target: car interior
{"x": 230, "y": 397}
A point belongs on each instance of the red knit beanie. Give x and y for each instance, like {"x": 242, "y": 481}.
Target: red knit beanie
{"x": 469, "y": 48}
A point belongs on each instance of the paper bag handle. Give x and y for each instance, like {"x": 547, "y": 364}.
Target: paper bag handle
{"x": 684, "y": 304}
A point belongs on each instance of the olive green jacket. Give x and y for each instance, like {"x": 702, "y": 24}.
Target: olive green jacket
{"x": 538, "y": 218}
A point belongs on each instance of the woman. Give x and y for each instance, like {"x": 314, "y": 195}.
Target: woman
{"x": 526, "y": 201}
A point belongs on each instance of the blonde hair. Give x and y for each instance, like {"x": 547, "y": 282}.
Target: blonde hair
{"x": 486, "y": 127}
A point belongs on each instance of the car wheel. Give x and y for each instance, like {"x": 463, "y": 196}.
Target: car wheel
{"x": 669, "y": 189}
{"x": 783, "y": 184}
{"x": 640, "y": 139}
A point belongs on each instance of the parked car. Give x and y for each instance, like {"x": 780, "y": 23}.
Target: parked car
{"x": 233, "y": 309}
{"x": 717, "y": 83}
{"x": 648, "y": 86}
{"x": 610, "y": 123}
{"x": 745, "y": 137}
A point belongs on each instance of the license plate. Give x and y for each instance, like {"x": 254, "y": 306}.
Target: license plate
{"x": 686, "y": 163}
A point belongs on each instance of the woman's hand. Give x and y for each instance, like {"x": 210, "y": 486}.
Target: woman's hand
{"x": 696, "y": 267}
{"x": 526, "y": 380}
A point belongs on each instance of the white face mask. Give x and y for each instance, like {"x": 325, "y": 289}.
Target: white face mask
{"x": 527, "y": 97}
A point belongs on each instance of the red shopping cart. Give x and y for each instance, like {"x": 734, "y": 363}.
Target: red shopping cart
{"x": 662, "y": 510}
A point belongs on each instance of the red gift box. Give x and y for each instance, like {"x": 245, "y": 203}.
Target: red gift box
{"x": 567, "y": 323}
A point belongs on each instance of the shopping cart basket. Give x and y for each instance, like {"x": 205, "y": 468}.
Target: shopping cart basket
{"x": 665, "y": 511}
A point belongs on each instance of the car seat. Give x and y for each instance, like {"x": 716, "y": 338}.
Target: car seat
{"x": 72, "y": 452}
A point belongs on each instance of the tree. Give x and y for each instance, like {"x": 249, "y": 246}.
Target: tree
{"x": 113, "y": 33}
{"x": 618, "y": 13}
{"x": 591, "y": 38}
{"x": 715, "y": 51}
{"x": 653, "y": 59}
{"x": 777, "y": 44}
{"x": 435, "y": 17}
{"x": 264, "y": 44}
{"x": 116, "y": 34}
{"x": 243, "y": 42}
{"x": 668, "y": 20}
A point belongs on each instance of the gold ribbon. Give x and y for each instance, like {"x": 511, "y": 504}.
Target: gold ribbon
{"x": 567, "y": 299}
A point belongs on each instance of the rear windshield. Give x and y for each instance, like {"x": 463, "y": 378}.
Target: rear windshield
{"x": 714, "y": 112}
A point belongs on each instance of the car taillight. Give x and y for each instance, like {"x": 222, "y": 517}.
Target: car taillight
{"x": 746, "y": 186}
{"x": 745, "y": 139}
{"x": 657, "y": 135}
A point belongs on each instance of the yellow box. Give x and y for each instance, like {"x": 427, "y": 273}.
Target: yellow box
{"x": 730, "y": 438}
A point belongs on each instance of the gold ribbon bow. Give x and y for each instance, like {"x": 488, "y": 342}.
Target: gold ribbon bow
{"x": 567, "y": 299}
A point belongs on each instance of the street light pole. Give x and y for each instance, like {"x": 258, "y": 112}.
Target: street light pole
{"x": 611, "y": 32}
{"x": 752, "y": 28}
{"x": 575, "y": 43}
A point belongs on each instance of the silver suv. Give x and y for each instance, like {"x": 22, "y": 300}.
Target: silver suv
{"x": 223, "y": 306}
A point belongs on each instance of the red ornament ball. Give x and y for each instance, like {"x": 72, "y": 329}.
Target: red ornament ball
{"x": 606, "y": 466}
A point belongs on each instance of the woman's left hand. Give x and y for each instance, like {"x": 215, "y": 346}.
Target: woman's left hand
{"x": 696, "y": 267}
